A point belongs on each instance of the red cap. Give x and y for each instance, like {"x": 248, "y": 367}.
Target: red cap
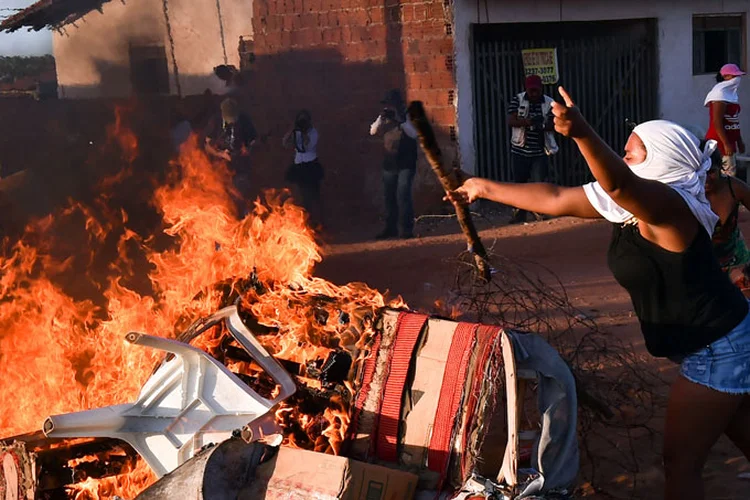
{"x": 533, "y": 82}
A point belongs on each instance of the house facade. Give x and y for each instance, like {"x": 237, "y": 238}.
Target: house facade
{"x": 149, "y": 46}
{"x": 624, "y": 62}
{"x": 633, "y": 61}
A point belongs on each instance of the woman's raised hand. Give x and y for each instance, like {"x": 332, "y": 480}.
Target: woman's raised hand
{"x": 569, "y": 121}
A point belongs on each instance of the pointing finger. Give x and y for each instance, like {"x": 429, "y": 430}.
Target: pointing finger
{"x": 566, "y": 97}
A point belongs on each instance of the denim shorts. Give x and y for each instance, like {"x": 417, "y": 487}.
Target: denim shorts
{"x": 723, "y": 365}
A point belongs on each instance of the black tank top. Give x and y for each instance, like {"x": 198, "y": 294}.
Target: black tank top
{"x": 683, "y": 300}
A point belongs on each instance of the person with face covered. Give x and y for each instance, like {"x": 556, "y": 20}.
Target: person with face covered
{"x": 229, "y": 137}
{"x": 661, "y": 253}
{"x": 532, "y": 137}
{"x": 724, "y": 112}
{"x": 306, "y": 172}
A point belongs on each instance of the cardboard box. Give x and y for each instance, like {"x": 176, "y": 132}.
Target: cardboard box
{"x": 299, "y": 474}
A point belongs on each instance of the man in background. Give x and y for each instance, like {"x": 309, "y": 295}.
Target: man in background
{"x": 532, "y": 136}
{"x": 399, "y": 165}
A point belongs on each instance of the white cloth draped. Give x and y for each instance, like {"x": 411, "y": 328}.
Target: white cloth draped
{"x": 724, "y": 91}
{"x": 673, "y": 156}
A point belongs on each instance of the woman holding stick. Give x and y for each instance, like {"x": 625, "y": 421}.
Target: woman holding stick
{"x": 661, "y": 254}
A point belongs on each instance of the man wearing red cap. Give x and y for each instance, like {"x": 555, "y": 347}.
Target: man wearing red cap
{"x": 532, "y": 136}
{"x": 724, "y": 111}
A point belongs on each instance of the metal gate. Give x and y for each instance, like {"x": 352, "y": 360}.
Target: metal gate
{"x": 608, "y": 67}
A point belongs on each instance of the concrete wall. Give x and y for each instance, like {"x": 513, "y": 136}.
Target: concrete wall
{"x": 93, "y": 58}
{"x": 680, "y": 93}
{"x": 202, "y": 39}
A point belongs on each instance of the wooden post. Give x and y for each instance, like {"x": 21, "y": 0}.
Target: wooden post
{"x": 450, "y": 180}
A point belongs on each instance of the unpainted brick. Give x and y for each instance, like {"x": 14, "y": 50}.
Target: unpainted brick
{"x": 377, "y": 14}
{"x": 287, "y": 22}
{"x": 378, "y": 32}
{"x": 286, "y": 39}
{"x": 311, "y": 5}
{"x": 296, "y": 22}
{"x": 331, "y": 36}
{"x": 407, "y": 13}
{"x": 298, "y": 38}
{"x": 420, "y": 12}
{"x": 346, "y": 34}
{"x": 272, "y": 39}
{"x": 310, "y": 37}
{"x": 359, "y": 17}
{"x": 435, "y": 11}
{"x": 308, "y": 20}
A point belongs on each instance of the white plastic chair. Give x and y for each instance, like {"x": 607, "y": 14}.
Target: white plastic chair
{"x": 191, "y": 400}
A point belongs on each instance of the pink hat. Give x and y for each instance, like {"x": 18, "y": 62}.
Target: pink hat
{"x": 731, "y": 70}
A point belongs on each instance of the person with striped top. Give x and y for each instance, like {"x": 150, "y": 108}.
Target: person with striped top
{"x": 532, "y": 136}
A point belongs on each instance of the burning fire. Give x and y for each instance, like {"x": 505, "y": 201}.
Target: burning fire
{"x": 64, "y": 315}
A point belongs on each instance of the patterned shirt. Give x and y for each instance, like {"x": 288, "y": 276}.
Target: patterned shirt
{"x": 534, "y": 145}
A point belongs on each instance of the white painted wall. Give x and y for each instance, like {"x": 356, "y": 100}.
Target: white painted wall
{"x": 680, "y": 93}
{"x": 92, "y": 58}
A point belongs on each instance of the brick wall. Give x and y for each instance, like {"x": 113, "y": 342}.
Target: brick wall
{"x": 338, "y": 58}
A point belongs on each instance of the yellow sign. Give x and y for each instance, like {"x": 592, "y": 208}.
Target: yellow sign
{"x": 542, "y": 62}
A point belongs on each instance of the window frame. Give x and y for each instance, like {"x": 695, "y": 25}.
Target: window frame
{"x": 722, "y": 15}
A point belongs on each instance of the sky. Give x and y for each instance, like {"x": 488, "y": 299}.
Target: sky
{"x": 22, "y": 42}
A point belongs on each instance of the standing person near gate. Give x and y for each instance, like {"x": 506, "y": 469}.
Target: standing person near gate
{"x": 724, "y": 112}
{"x": 532, "y": 138}
{"x": 399, "y": 164}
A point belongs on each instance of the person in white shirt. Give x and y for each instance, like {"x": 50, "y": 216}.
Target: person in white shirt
{"x": 399, "y": 165}
{"x": 306, "y": 172}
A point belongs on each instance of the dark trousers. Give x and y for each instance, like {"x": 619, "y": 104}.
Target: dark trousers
{"x": 308, "y": 177}
{"x": 240, "y": 168}
{"x": 529, "y": 168}
{"x": 399, "y": 205}
{"x": 526, "y": 168}
{"x": 310, "y": 193}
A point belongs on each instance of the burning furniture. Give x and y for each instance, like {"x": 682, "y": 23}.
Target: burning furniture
{"x": 436, "y": 398}
{"x": 190, "y": 401}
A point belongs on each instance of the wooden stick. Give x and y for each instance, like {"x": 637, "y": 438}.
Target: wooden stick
{"x": 450, "y": 180}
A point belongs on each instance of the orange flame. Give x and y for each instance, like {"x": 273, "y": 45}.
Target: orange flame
{"x": 63, "y": 351}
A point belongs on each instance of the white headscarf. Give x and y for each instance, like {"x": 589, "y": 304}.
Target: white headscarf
{"x": 673, "y": 156}
{"x": 724, "y": 91}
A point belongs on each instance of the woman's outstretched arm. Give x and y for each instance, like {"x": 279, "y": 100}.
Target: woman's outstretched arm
{"x": 538, "y": 197}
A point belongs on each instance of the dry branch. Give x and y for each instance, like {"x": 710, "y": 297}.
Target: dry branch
{"x": 450, "y": 180}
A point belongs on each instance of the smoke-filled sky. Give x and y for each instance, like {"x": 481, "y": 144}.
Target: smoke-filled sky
{"x": 22, "y": 42}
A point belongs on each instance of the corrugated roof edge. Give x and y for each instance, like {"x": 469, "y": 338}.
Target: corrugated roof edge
{"x": 52, "y": 14}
